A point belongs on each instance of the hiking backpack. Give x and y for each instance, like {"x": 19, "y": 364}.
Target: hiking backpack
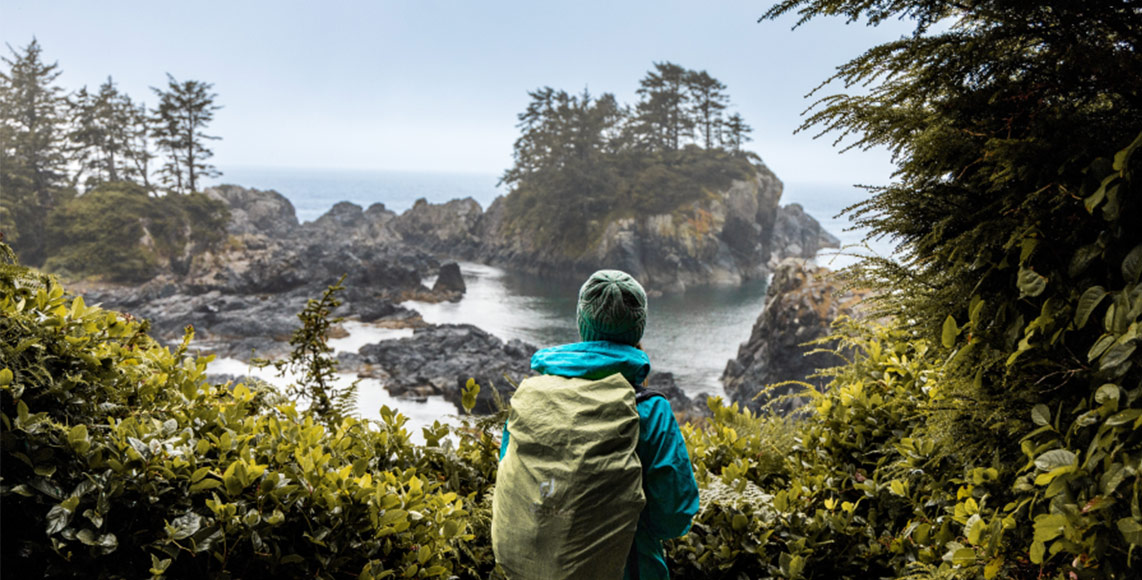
{"x": 569, "y": 487}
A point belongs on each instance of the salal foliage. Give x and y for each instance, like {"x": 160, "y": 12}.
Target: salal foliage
{"x": 120, "y": 460}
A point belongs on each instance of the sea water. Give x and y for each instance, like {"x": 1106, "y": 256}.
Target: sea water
{"x": 692, "y": 335}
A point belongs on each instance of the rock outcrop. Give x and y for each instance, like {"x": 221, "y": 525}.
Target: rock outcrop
{"x": 246, "y": 293}
{"x": 439, "y": 360}
{"x": 802, "y": 302}
{"x": 451, "y": 228}
{"x": 797, "y": 235}
{"x": 722, "y": 239}
{"x": 253, "y": 211}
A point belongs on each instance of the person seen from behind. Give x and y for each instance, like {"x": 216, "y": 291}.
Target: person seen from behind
{"x": 593, "y": 472}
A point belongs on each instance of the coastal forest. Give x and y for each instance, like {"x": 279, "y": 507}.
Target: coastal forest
{"x": 985, "y": 420}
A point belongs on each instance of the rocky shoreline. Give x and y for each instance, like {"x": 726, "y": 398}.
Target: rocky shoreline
{"x": 242, "y": 298}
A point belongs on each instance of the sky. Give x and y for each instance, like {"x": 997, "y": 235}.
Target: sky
{"x": 432, "y": 85}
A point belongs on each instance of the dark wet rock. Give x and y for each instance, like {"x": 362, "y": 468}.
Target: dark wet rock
{"x": 439, "y": 360}
{"x": 800, "y": 306}
{"x": 683, "y": 406}
{"x": 449, "y": 280}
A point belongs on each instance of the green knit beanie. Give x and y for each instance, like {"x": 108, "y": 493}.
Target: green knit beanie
{"x": 612, "y": 306}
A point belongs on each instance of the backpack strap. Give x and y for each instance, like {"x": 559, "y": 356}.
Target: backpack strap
{"x": 641, "y": 394}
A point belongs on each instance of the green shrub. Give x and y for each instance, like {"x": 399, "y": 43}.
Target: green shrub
{"x": 120, "y": 460}
{"x": 119, "y": 232}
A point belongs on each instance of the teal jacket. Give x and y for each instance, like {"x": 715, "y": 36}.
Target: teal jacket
{"x": 667, "y": 478}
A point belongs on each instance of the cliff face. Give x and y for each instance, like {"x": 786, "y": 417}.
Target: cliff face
{"x": 801, "y": 304}
{"x": 724, "y": 238}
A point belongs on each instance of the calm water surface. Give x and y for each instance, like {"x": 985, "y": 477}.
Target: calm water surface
{"x": 691, "y": 335}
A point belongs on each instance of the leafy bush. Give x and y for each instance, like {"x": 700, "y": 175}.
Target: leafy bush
{"x": 120, "y": 460}
{"x": 119, "y": 232}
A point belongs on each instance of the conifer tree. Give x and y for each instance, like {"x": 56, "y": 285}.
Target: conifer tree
{"x": 100, "y": 134}
{"x": 33, "y": 164}
{"x": 1016, "y": 129}
{"x": 183, "y": 113}
{"x": 662, "y": 117}
{"x": 708, "y": 99}
{"x": 735, "y": 132}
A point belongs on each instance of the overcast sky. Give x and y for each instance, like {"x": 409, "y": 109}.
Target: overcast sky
{"x": 430, "y": 85}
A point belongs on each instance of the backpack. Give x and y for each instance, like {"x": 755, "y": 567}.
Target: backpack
{"x": 569, "y": 488}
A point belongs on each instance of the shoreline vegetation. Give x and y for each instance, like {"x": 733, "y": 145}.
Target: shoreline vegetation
{"x": 985, "y": 420}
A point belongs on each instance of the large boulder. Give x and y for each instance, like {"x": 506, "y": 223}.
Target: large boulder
{"x": 800, "y": 306}
{"x": 439, "y": 360}
{"x": 797, "y": 234}
{"x": 253, "y": 211}
{"x": 449, "y": 228}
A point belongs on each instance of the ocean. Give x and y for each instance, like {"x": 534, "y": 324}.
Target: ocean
{"x": 692, "y": 334}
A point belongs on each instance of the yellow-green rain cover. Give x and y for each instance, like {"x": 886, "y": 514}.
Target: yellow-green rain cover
{"x": 569, "y": 488}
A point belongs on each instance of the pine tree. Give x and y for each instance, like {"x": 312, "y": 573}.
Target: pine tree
{"x": 708, "y": 99}
{"x": 184, "y": 111}
{"x": 735, "y": 133}
{"x": 100, "y": 135}
{"x": 662, "y": 117}
{"x": 562, "y": 148}
{"x": 33, "y": 164}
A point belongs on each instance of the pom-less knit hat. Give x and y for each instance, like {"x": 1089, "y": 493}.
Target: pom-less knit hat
{"x": 612, "y": 306}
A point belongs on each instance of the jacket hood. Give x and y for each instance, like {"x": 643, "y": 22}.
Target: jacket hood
{"x": 593, "y": 360}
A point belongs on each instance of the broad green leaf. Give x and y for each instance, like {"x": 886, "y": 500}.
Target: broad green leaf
{"x": 1123, "y": 417}
{"x": 5, "y": 377}
{"x": 949, "y": 333}
{"x": 1087, "y": 303}
{"x": 1055, "y": 458}
{"x": 1049, "y": 526}
{"x": 185, "y": 526}
{"x": 1110, "y": 480}
{"x": 58, "y": 519}
{"x": 470, "y": 394}
{"x": 1030, "y": 283}
{"x": 1107, "y": 393}
{"x": 1132, "y": 264}
{"x": 963, "y": 556}
{"x": 1082, "y": 259}
{"x": 1045, "y": 478}
{"x": 1104, "y": 342}
{"x": 205, "y": 484}
{"x": 1117, "y": 355}
{"x": 974, "y": 528}
{"x": 991, "y": 570}
{"x": 739, "y": 522}
{"x": 199, "y": 474}
{"x": 1040, "y": 415}
{"x": 88, "y": 537}
{"x": 1122, "y": 158}
{"x": 1131, "y": 530}
{"x": 1037, "y": 550}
